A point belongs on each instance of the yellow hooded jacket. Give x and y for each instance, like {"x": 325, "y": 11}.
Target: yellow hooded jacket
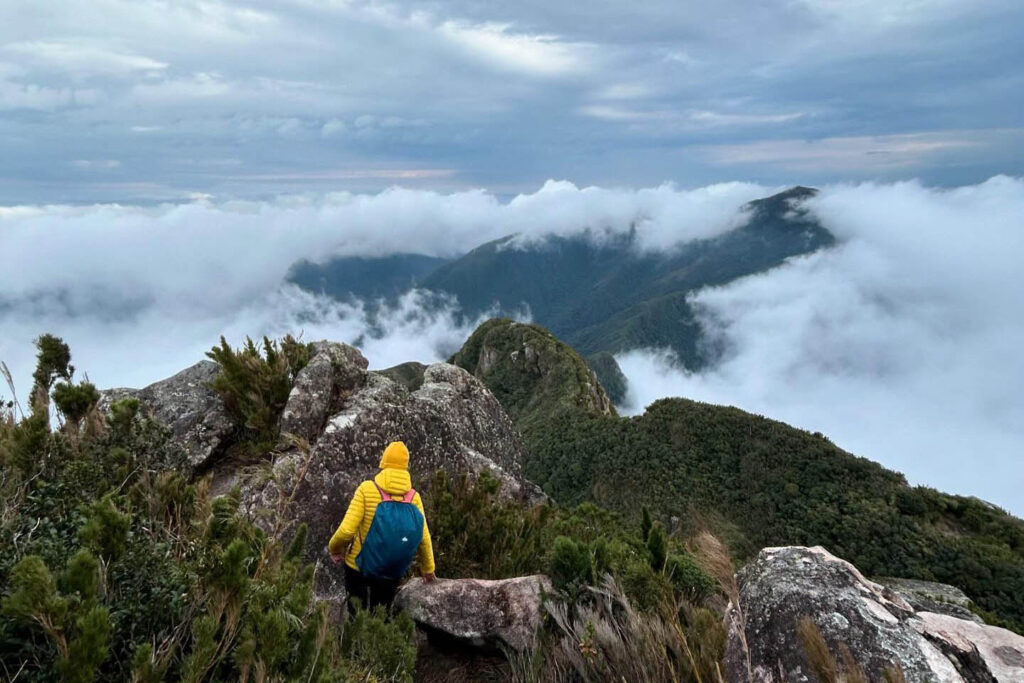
{"x": 393, "y": 479}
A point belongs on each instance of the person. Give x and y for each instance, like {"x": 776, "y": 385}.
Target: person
{"x": 378, "y": 556}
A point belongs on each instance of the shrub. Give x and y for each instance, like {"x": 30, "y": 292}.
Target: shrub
{"x": 688, "y": 577}
{"x": 74, "y": 401}
{"x": 381, "y": 644}
{"x": 116, "y": 567}
{"x": 657, "y": 546}
{"x": 571, "y": 566}
{"x": 475, "y": 533}
{"x": 254, "y": 384}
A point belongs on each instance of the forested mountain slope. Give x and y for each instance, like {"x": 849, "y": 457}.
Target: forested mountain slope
{"x": 364, "y": 277}
{"x": 756, "y": 481}
{"x": 606, "y": 294}
{"x": 610, "y": 295}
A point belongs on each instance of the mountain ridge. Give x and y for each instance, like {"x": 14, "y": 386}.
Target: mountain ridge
{"x": 754, "y": 481}
{"x": 601, "y": 293}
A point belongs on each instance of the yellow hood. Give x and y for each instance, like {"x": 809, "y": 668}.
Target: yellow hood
{"x": 396, "y": 456}
{"x": 395, "y": 482}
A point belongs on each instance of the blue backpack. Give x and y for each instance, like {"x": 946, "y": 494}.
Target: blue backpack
{"x": 393, "y": 539}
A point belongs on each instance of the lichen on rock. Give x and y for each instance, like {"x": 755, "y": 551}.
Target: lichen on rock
{"x": 783, "y": 585}
{"x": 186, "y": 404}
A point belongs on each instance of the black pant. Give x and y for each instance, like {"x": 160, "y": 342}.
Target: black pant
{"x": 369, "y": 590}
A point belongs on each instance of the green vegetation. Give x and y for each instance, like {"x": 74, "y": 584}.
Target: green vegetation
{"x": 609, "y": 374}
{"x": 116, "y": 567}
{"x": 409, "y": 375}
{"x": 366, "y": 278}
{"x": 122, "y": 568}
{"x": 755, "y": 482}
{"x": 534, "y": 375}
{"x": 624, "y": 609}
{"x": 254, "y": 385}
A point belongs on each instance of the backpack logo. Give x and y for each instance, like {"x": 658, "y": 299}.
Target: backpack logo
{"x": 386, "y": 551}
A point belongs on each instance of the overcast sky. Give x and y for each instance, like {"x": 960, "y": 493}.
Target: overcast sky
{"x": 143, "y": 100}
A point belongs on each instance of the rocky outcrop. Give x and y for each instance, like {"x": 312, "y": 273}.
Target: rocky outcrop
{"x": 343, "y": 416}
{"x": 968, "y": 643}
{"x": 186, "y": 404}
{"x": 333, "y": 373}
{"x": 928, "y": 596}
{"x": 505, "y": 613}
{"x": 348, "y": 415}
{"x": 876, "y": 623}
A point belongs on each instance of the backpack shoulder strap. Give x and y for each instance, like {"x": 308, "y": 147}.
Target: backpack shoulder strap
{"x": 385, "y": 497}
{"x": 409, "y": 495}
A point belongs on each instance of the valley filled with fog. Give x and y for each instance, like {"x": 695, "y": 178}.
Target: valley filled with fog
{"x": 900, "y": 343}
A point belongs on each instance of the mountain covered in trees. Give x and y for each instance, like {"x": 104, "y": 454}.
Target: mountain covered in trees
{"x": 602, "y": 294}
{"x": 754, "y": 481}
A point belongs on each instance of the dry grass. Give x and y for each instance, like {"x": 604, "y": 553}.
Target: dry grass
{"x": 714, "y": 558}
{"x": 609, "y": 639}
{"x": 824, "y": 664}
{"x": 816, "y": 651}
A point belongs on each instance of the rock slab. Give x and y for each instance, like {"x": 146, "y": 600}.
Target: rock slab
{"x": 878, "y": 626}
{"x": 504, "y": 613}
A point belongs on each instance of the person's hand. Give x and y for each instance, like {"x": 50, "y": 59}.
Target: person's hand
{"x": 337, "y": 558}
{"x": 429, "y": 578}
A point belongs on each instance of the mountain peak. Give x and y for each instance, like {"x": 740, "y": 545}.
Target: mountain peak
{"x": 531, "y": 372}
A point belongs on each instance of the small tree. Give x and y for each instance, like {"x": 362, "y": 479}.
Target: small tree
{"x": 657, "y": 546}
{"x": 53, "y": 361}
{"x": 645, "y": 524}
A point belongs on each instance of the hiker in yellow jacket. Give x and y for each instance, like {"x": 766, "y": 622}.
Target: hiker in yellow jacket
{"x": 394, "y": 482}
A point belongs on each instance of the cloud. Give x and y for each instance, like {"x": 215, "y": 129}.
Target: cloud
{"x": 855, "y": 153}
{"x": 83, "y": 60}
{"x": 99, "y": 164}
{"x": 39, "y": 97}
{"x": 663, "y": 216}
{"x": 534, "y": 54}
{"x": 509, "y": 93}
{"x": 901, "y": 344}
{"x": 140, "y": 291}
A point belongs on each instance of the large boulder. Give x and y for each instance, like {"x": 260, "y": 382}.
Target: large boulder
{"x": 506, "y": 613}
{"x": 880, "y": 628}
{"x": 187, "y": 405}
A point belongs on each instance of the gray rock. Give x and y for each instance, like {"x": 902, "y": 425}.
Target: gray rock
{"x": 451, "y": 423}
{"x": 505, "y": 613}
{"x": 1000, "y": 652}
{"x": 193, "y": 412}
{"x": 928, "y": 596}
{"x": 333, "y": 373}
{"x": 878, "y": 625}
